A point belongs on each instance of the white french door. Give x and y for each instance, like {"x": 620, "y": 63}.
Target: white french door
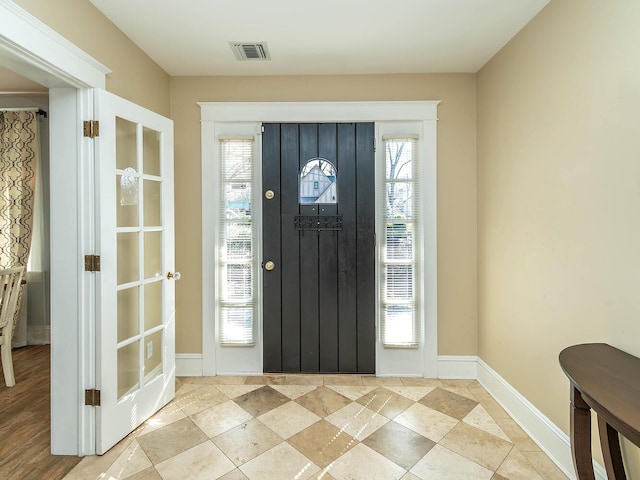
{"x": 135, "y": 294}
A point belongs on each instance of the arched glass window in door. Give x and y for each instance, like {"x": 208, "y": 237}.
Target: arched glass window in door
{"x": 318, "y": 182}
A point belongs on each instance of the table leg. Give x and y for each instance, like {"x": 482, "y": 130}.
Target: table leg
{"x": 610, "y": 444}
{"x": 581, "y": 436}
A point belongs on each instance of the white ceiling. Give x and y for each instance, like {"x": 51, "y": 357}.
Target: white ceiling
{"x": 321, "y": 37}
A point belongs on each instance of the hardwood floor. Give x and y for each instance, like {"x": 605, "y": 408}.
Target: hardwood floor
{"x": 25, "y": 419}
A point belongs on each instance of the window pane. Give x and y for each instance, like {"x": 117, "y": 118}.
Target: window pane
{"x": 399, "y": 156}
{"x": 238, "y": 282}
{"x": 399, "y": 241}
{"x": 238, "y": 160}
{"x": 237, "y": 200}
{"x": 238, "y": 241}
{"x": 237, "y": 325}
{"x": 399, "y": 201}
{"x": 399, "y": 282}
{"x": 318, "y": 182}
{"x": 399, "y": 325}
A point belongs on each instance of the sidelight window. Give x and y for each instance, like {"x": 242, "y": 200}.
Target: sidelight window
{"x": 236, "y": 294}
{"x": 399, "y": 320}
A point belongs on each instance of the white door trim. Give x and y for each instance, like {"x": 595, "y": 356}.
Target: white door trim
{"x": 35, "y": 51}
{"x": 224, "y": 112}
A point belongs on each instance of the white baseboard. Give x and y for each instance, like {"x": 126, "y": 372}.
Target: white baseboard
{"x": 457, "y": 367}
{"x": 549, "y": 437}
{"x": 188, "y": 364}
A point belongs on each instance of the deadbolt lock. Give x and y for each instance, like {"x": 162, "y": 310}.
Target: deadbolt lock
{"x": 269, "y": 266}
{"x": 269, "y": 194}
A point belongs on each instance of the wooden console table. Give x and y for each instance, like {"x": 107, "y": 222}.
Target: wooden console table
{"x": 606, "y": 380}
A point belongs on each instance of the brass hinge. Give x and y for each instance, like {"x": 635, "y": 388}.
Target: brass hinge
{"x": 374, "y": 144}
{"x": 262, "y": 128}
{"x": 92, "y": 263}
{"x": 92, "y": 397}
{"x": 91, "y": 128}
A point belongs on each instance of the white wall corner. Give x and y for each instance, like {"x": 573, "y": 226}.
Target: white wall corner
{"x": 457, "y": 367}
{"x": 549, "y": 437}
{"x": 188, "y": 364}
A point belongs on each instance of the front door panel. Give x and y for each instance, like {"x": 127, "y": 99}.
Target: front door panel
{"x": 318, "y": 230}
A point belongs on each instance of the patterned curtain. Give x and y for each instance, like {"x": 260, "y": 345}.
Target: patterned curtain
{"x": 18, "y": 153}
{"x": 18, "y": 157}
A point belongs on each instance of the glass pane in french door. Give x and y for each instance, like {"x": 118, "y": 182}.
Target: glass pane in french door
{"x": 139, "y": 256}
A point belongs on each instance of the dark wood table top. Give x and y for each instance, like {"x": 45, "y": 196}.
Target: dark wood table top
{"x": 609, "y": 381}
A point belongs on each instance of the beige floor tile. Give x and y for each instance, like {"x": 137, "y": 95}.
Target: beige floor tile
{"x": 479, "y": 418}
{"x": 322, "y": 475}
{"x": 246, "y": 441}
{"x": 323, "y": 401}
{"x": 382, "y": 381}
{"x": 343, "y": 380}
{"x": 169, "y": 414}
{"x": 449, "y": 403}
{"x": 477, "y": 445}
{"x": 294, "y": 391}
{"x": 233, "y": 391}
{"x": 304, "y": 380}
{"x": 133, "y": 460}
{"x": 412, "y": 393}
{"x": 147, "y": 474}
{"x": 171, "y": 440}
{"x": 288, "y": 419}
{"x": 545, "y": 467}
{"x": 202, "y": 462}
{"x": 463, "y": 392}
{"x": 443, "y": 464}
{"x": 225, "y": 380}
{"x": 399, "y": 444}
{"x": 220, "y": 418}
{"x": 410, "y": 476}
{"x": 497, "y": 476}
{"x": 426, "y": 421}
{"x": 261, "y": 400}
{"x": 322, "y": 443}
{"x": 420, "y": 382}
{"x": 363, "y": 463}
{"x": 281, "y": 462}
{"x": 234, "y": 475}
{"x": 385, "y": 402}
{"x": 351, "y": 392}
{"x": 517, "y": 467}
{"x": 200, "y": 399}
{"x": 493, "y": 408}
{"x": 458, "y": 383}
{"x": 357, "y": 420}
{"x": 517, "y": 435}
{"x": 265, "y": 380}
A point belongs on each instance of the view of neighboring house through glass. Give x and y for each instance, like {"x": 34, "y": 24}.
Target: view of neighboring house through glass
{"x": 318, "y": 182}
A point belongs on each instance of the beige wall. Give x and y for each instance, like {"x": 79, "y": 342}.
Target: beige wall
{"x": 457, "y": 274}
{"x": 134, "y": 75}
{"x": 559, "y": 195}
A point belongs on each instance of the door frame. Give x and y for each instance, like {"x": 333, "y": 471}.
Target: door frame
{"x": 35, "y": 51}
{"x": 425, "y": 112}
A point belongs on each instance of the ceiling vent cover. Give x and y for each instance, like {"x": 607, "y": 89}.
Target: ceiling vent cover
{"x": 250, "y": 51}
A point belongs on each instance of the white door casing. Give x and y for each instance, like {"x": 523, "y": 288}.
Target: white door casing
{"x": 423, "y": 116}
{"x": 135, "y": 296}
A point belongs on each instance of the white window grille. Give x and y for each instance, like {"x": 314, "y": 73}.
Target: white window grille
{"x": 236, "y": 272}
{"x": 399, "y": 322}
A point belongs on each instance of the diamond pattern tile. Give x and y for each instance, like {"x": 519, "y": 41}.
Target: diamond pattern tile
{"x": 332, "y": 427}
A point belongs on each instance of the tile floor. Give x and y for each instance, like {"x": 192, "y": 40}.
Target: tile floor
{"x": 291, "y": 427}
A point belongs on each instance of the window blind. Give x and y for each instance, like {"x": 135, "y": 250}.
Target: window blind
{"x": 236, "y": 285}
{"x": 398, "y": 303}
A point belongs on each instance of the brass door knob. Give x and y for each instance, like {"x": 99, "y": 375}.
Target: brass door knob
{"x": 269, "y": 194}
{"x": 174, "y": 276}
{"x": 269, "y": 266}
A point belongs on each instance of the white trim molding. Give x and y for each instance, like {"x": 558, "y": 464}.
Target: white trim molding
{"x": 188, "y": 364}
{"x": 32, "y": 49}
{"x": 216, "y": 114}
{"x": 457, "y": 367}
{"x": 549, "y": 437}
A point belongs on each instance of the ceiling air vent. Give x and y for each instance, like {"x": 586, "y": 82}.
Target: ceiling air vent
{"x": 250, "y": 51}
